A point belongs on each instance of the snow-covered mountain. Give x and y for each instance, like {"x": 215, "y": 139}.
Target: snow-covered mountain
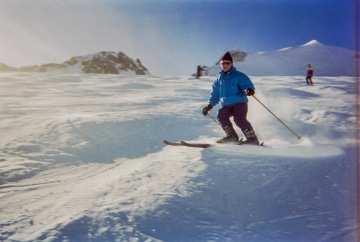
{"x": 99, "y": 63}
{"x": 4, "y": 67}
{"x": 293, "y": 61}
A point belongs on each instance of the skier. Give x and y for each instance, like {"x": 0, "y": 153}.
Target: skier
{"x": 231, "y": 89}
{"x": 198, "y": 71}
{"x": 309, "y": 74}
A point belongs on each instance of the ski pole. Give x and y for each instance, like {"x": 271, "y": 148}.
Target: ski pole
{"x": 214, "y": 119}
{"x": 277, "y": 118}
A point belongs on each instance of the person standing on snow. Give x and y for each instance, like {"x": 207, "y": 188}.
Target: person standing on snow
{"x": 199, "y": 70}
{"x": 309, "y": 74}
{"x": 231, "y": 89}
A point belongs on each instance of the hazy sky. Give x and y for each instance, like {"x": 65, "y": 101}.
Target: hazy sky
{"x": 170, "y": 37}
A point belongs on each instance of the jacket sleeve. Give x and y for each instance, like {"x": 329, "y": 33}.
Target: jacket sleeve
{"x": 215, "y": 93}
{"x": 245, "y": 83}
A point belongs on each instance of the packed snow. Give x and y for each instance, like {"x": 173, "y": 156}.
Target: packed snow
{"x": 82, "y": 160}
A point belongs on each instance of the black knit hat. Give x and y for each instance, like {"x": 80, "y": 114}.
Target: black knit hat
{"x": 227, "y": 57}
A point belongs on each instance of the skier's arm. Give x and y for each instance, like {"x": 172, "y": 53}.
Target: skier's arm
{"x": 215, "y": 94}
{"x": 246, "y": 85}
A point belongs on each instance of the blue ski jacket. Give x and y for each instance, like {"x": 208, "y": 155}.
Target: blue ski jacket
{"x": 229, "y": 89}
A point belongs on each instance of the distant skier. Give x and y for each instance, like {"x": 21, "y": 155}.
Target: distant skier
{"x": 231, "y": 89}
{"x": 199, "y": 70}
{"x": 309, "y": 74}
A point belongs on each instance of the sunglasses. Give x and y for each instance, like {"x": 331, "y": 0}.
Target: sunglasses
{"x": 224, "y": 63}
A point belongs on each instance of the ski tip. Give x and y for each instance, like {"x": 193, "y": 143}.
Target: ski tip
{"x": 163, "y": 140}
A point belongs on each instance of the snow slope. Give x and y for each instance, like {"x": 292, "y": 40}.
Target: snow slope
{"x": 290, "y": 61}
{"x": 82, "y": 160}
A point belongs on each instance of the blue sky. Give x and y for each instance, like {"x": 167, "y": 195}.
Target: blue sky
{"x": 171, "y": 37}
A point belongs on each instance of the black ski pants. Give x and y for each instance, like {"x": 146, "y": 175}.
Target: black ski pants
{"x": 239, "y": 112}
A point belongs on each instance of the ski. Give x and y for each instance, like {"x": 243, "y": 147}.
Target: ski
{"x": 206, "y": 145}
{"x": 241, "y": 142}
{"x": 186, "y": 144}
{"x": 244, "y": 143}
{"x": 196, "y": 145}
{"x": 172, "y": 143}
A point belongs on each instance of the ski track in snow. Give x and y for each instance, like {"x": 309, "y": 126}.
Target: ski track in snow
{"x": 82, "y": 160}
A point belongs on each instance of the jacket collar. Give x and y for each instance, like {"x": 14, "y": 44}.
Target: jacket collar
{"x": 232, "y": 70}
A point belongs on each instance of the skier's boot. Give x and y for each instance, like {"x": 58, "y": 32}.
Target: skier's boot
{"x": 250, "y": 137}
{"x": 231, "y": 135}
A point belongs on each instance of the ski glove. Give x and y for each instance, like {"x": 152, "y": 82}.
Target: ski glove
{"x": 249, "y": 92}
{"x": 207, "y": 109}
